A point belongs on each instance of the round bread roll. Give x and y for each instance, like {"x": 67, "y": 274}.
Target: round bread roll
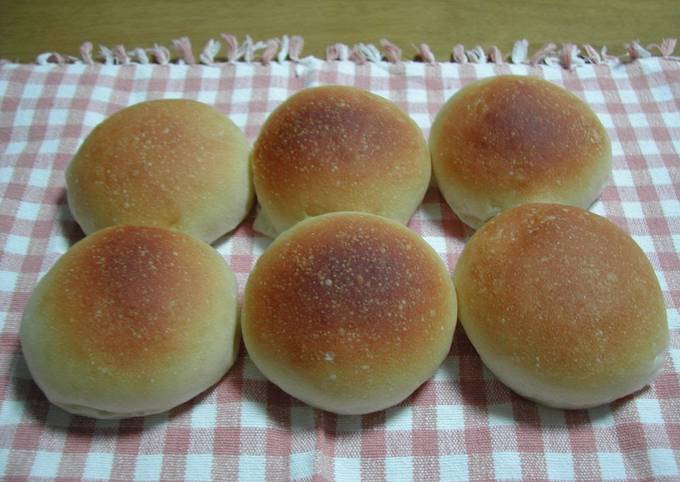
{"x": 349, "y": 312}
{"x": 338, "y": 148}
{"x": 510, "y": 140}
{"x": 176, "y": 164}
{"x": 562, "y": 306}
{"x": 131, "y": 321}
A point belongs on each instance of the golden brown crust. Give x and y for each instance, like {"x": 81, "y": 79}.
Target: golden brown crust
{"x": 337, "y": 148}
{"x": 563, "y": 296}
{"x": 131, "y": 320}
{"x": 517, "y": 133}
{"x": 351, "y": 304}
{"x": 127, "y": 300}
{"x": 168, "y": 163}
{"x": 511, "y": 139}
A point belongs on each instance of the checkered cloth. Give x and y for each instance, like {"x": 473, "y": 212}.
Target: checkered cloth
{"x": 461, "y": 425}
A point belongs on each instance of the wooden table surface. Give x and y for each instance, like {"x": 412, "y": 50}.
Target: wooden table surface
{"x": 30, "y": 27}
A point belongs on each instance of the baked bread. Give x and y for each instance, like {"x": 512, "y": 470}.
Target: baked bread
{"x": 338, "y": 148}
{"x": 176, "y": 164}
{"x": 509, "y": 140}
{"x": 562, "y": 306}
{"x": 131, "y": 321}
{"x": 349, "y": 312}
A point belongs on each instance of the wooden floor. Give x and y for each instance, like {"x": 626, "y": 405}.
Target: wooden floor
{"x": 30, "y": 27}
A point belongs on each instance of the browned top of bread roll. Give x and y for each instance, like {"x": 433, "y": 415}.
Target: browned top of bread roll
{"x": 337, "y": 148}
{"x": 172, "y": 163}
{"x": 518, "y": 132}
{"x": 131, "y": 320}
{"x": 349, "y": 312}
{"x": 126, "y": 301}
{"x": 507, "y": 140}
{"x": 566, "y": 299}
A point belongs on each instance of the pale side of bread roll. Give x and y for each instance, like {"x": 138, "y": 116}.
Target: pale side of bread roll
{"x": 338, "y": 148}
{"x": 349, "y": 312}
{"x": 177, "y": 164}
{"x": 131, "y": 321}
{"x": 562, "y": 306}
{"x": 509, "y": 140}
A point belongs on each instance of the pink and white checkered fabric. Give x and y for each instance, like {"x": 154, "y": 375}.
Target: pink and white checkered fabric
{"x": 462, "y": 425}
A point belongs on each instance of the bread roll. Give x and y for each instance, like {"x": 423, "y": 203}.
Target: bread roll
{"x": 509, "y": 140}
{"x": 176, "y": 164}
{"x": 562, "y": 306}
{"x": 337, "y": 148}
{"x": 349, "y": 312}
{"x": 131, "y": 321}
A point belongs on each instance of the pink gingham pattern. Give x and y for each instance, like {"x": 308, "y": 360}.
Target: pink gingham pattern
{"x": 462, "y": 425}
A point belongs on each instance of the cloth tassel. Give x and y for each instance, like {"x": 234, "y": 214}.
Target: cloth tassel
{"x": 476, "y": 55}
{"x": 295, "y": 48}
{"x": 120, "y": 56}
{"x": 424, "y": 54}
{"x": 357, "y": 55}
{"x": 637, "y": 51}
{"x": 50, "y": 58}
{"x": 392, "y": 52}
{"x": 270, "y": 51}
{"x": 140, "y": 55}
{"x": 458, "y": 54}
{"x": 337, "y": 52}
{"x": 542, "y": 53}
{"x": 160, "y": 53}
{"x": 183, "y": 47}
{"x": 86, "y": 53}
{"x": 371, "y": 52}
{"x": 591, "y": 54}
{"x": 107, "y": 54}
{"x": 495, "y": 55}
{"x": 211, "y": 49}
{"x": 569, "y": 57}
{"x": 519, "y": 52}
